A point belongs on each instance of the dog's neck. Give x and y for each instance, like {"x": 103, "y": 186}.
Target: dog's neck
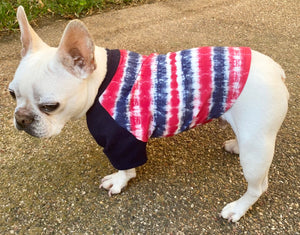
{"x": 94, "y": 81}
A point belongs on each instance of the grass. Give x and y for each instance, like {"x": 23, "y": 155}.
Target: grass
{"x": 69, "y": 9}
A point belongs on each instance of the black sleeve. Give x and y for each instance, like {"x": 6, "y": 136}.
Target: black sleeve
{"x": 120, "y": 146}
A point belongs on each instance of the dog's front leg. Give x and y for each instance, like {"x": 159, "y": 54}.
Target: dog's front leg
{"x": 115, "y": 182}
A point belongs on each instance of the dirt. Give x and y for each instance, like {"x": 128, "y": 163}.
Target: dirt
{"x": 50, "y": 186}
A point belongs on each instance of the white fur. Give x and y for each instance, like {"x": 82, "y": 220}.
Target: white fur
{"x": 41, "y": 78}
{"x": 46, "y": 75}
{"x": 116, "y": 181}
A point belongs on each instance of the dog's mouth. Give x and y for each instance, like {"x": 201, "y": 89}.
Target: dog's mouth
{"x": 29, "y": 130}
{"x": 33, "y": 128}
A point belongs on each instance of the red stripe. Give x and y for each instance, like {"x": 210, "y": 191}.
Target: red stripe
{"x": 246, "y": 54}
{"x": 205, "y": 80}
{"x": 110, "y": 95}
{"x": 234, "y": 76}
{"x": 173, "y": 121}
{"x": 146, "y": 97}
{"x": 134, "y": 109}
{"x": 239, "y": 61}
{"x": 140, "y": 102}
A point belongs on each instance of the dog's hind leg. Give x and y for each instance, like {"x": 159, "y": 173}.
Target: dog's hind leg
{"x": 255, "y": 157}
{"x": 255, "y": 119}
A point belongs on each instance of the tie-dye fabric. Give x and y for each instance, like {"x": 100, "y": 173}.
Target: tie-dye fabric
{"x": 162, "y": 95}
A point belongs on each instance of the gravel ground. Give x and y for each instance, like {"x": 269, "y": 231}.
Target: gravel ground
{"x": 50, "y": 186}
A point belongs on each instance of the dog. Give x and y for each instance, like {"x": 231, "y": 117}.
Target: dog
{"x": 128, "y": 98}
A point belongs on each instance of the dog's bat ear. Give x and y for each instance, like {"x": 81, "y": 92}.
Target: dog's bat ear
{"x": 30, "y": 40}
{"x": 76, "y": 50}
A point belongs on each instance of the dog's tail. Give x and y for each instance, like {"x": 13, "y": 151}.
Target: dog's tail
{"x": 282, "y": 73}
{"x": 283, "y": 77}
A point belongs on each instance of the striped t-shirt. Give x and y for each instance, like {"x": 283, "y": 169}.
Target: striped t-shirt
{"x": 162, "y": 95}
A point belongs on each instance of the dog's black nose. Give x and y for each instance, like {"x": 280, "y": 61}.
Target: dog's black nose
{"x": 23, "y": 118}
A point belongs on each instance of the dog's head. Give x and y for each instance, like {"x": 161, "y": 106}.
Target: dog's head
{"x": 50, "y": 84}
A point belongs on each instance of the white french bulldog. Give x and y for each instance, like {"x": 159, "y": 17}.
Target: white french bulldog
{"x": 54, "y": 85}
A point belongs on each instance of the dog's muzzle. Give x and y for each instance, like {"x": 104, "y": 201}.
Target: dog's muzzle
{"x": 24, "y": 118}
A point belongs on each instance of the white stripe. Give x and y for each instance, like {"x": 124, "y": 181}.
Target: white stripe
{"x": 196, "y": 84}
{"x": 152, "y": 107}
{"x": 212, "y": 79}
{"x": 180, "y": 88}
{"x": 237, "y": 70}
{"x": 168, "y": 90}
{"x": 227, "y": 73}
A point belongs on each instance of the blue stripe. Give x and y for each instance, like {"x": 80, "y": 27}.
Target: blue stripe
{"x": 219, "y": 77}
{"x": 160, "y": 97}
{"x": 131, "y": 72}
{"x": 188, "y": 91}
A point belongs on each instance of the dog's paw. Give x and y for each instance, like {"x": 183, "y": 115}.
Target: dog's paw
{"x": 232, "y": 146}
{"x": 232, "y": 212}
{"x": 115, "y": 182}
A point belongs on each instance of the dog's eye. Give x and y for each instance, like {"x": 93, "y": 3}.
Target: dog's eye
{"x": 48, "y": 108}
{"x": 12, "y": 93}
